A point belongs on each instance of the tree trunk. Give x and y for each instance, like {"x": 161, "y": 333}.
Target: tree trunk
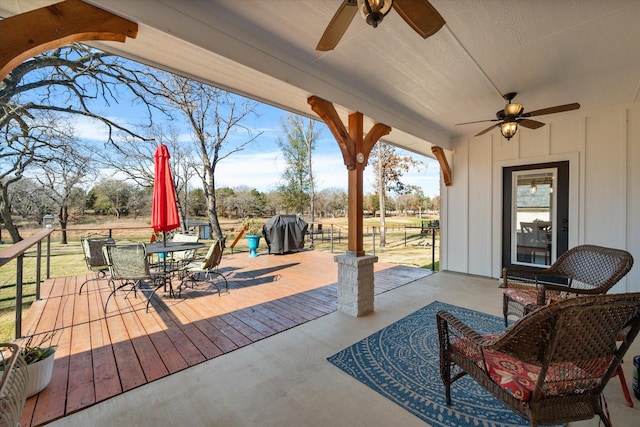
{"x": 212, "y": 206}
{"x": 381, "y": 196}
{"x": 313, "y": 194}
{"x": 5, "y": 211}
{"x": 63, "y": 217}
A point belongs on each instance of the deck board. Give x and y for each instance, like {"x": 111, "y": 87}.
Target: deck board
{"x": 100, "y": 355}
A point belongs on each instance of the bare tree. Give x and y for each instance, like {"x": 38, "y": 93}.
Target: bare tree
{"x": 74, "y": 80}
{"x": 35, "y": 142}
{"x": 389, "y": 167}
{"x": 60, "y": 177}
{"x": 217, "y": 120}
{"x": 135, "y": 159}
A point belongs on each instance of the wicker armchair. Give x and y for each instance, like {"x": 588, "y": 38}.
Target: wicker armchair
{"x": 550, "y": 366}
{"x": 13, "y": 384}
{"x": 582, "y": 270}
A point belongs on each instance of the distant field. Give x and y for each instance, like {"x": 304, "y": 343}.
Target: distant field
{"x": 405, "y": 246}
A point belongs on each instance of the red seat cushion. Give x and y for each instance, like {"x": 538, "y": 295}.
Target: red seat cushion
{"x": 520, "y": 378}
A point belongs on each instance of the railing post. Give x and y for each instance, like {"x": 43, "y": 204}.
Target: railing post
{"x": 331, "y": 238}
{"x": 20, "y": 264}
{"x": 373, "y": 236}
{"x": 38, "y": 268}
{"x": 433, "y": 249}
{"x": 48, "y": 256}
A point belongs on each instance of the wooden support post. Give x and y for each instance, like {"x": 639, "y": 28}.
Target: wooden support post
{"x": 355, "y": 148}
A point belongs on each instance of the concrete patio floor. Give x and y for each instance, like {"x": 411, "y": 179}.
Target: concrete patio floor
{"x": 285, "y": 380}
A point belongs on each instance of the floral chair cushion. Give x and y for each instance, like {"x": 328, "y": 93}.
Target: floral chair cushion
{"x": 519, "y": 378}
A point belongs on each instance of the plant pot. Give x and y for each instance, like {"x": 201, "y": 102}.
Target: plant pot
{"x": 253, "y": 240}
{"x": 39, "y": 375}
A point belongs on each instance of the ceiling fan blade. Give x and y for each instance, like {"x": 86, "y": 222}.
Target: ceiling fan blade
{"x": 420, "y": 15}
{"x": 338, "y": 25}
{"x": 478, "y": 121}
{"x": 552, "y": 110}
{"x": 487, "y": 129}
{"x": 531, "y": 124}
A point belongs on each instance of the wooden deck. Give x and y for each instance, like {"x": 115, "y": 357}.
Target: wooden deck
{"x": 99, "y": 356}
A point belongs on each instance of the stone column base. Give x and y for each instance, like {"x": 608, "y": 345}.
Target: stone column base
{"x": 355, "y": 283}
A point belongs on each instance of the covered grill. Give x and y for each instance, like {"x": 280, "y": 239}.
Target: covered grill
{"x": 285, "y": 233}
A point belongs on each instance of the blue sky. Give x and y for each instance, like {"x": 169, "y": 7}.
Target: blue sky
{"x": 260, "y": 164}
{"x": 266, "y": 162}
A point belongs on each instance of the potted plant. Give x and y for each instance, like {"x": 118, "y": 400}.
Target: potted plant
{"x": 253, "y": 231}
{"x": 39, "y": 367}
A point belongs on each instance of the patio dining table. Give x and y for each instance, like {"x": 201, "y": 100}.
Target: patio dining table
{"x": 159, "y": 247}
{"x": 162, "y": 248}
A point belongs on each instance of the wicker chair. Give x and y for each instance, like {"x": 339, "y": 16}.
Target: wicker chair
{"x": 582, "y": 270}
{"x": 94, "y": 257}
{"x": 207, "y": 269}
{"x": 13, "y": 384}
{"x": 129, "y": 265}
{"x": 550, "y": 366}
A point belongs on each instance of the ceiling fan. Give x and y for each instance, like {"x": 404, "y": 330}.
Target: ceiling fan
{"x": 419, "y": 14}
{"x": 514, "y": 115}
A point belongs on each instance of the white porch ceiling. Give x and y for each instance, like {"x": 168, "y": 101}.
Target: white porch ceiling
{"x": 549, "y": 51}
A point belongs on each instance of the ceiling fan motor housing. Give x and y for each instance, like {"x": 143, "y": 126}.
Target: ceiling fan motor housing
{"x": 374, "y": 11}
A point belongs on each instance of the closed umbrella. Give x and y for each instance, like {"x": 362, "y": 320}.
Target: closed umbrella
{"x": 164, "y": 213}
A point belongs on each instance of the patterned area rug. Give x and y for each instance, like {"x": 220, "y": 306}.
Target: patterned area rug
{"x": 402, "y": 363}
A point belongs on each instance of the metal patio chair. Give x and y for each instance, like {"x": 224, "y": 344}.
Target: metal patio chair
{"x": 206, "y": 270}
{"x": 94, "y": 257}
{"x": 129, "y": 265}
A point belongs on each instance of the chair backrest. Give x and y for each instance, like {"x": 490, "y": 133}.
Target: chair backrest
{"x": 128, "y": 261}
{"x": 214, "y": 255}
{"x": 592, "y": 267}
{"x": 184, "y": 238}
{"x": 574, "y": 342}
{"x": 93, "y": 254}
{"x": 190, "y": 238}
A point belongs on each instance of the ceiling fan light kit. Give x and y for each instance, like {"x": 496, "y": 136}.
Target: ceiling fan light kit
{"x": 513, "y": 115}
{"x": 508, "y": 129}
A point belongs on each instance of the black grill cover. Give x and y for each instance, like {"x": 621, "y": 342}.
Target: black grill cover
{"x": 284, "y": 233}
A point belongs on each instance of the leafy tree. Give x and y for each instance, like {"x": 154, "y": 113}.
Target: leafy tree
{"x": 217, "y": 121}
{"x": 389, "y": 168}
{"x": 112, "y": 197}
{"x": 197, "y": 202}
{"x": 71, "y": 81}
{"x": 297, "y": 145}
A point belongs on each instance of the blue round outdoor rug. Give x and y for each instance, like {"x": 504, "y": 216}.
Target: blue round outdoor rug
{"x": 402, "y": 363}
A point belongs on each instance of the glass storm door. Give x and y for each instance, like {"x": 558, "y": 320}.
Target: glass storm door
{"x": 535, "y": 214}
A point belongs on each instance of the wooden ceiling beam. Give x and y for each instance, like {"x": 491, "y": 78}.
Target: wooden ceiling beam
{"x": 330, "y": 117}
{"x": 30, "y": 33}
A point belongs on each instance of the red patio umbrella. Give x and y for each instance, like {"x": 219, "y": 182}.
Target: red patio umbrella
{"x": 164, "y": 213}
